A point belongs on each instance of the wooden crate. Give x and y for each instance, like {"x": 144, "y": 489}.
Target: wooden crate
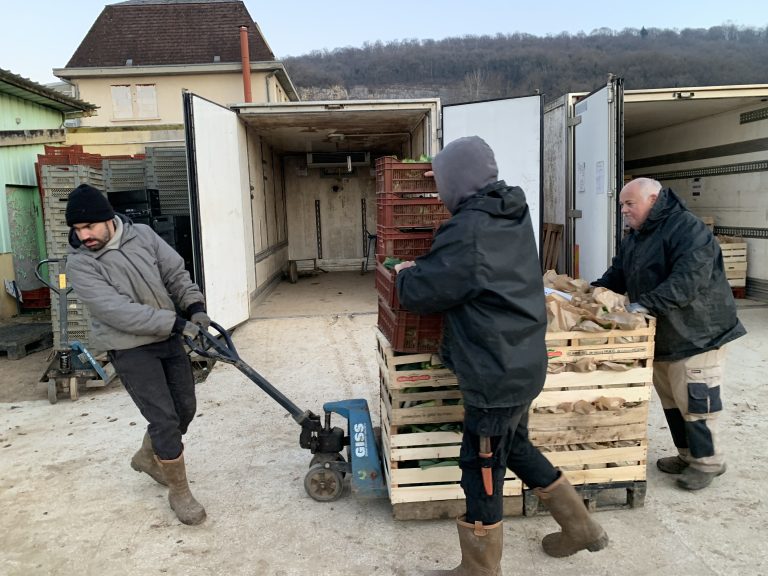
{"x": 563, "y": 436}
{"x": 433, "y": 492}
{"x": 735, "y": 262}
{"x": 430, "y": 492}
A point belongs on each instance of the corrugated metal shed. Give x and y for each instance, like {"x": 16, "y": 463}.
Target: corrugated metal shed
{"x": 31, "y": 115}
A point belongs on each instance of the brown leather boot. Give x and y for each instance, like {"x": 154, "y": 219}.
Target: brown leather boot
{"x": 188, "y": 510}
{"x": 578, "y": 530}
{"x": 481, "y": 547}
{"x": 144, "y": 461}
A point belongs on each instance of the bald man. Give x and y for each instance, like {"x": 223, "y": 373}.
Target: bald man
{"x": 671, "y": 267}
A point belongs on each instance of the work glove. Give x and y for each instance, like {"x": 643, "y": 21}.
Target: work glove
{"x": 636, "y": 307}
{"x": 190, "y": 330}
{"x": 201, "y": 319}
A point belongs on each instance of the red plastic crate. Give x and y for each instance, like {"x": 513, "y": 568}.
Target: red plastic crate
{"x": 37, "y": 299}
{"x": 409, "y": 332}
{"x": 402, "y": 245}
{"x": 393, "y": 176}
{"x": 71, "y": 159}
{"x": 397, "y": 213}
{"x": 385, "y": 286}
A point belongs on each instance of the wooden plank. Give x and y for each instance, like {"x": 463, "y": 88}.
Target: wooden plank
{"x": 444, "y": 492}
{"x": 602, "y": 456}
{"x": 618, "y": 474}
{"x": 425, "y": 438}
{"x": 634, "y": 415}
{"x": 448, "y": 509}
{"x": 609, "y": 352}
{"x": 429, "y": 415}
{"x": 735, "y": 267}
{"x": 598, "y": 378}
{"x": 629, "y": 394}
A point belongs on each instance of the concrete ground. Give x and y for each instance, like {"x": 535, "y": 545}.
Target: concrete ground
{"x": 71, "y": 505}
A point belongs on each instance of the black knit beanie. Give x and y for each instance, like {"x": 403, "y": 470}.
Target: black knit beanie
{"x": 87, "y": 204}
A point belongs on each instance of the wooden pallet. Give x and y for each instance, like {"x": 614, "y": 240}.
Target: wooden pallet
{"x": 18, "y": 340}
{"x": 596, "y": 497}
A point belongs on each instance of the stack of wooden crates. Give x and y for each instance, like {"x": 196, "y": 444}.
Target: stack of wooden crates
{"x": 603, "y": 453}
{"x": 735, "y": 261}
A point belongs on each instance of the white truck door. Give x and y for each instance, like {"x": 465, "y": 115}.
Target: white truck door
{"x": 597, "y": 173}
{"x": 513, "y": 128}
{"x": 220, "y": 203}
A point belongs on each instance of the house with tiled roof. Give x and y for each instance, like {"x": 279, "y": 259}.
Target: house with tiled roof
{"x": 141, "y": 55}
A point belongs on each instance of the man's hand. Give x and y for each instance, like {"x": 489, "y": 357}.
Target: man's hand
{"x": 635, "y": 307}
{"x": 190, "y": 330}
{"x": 403, "y": 265}
{"x": 201, "y": 319}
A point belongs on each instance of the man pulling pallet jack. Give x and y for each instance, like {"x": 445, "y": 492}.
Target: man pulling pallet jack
{"x": 133, "y": 283}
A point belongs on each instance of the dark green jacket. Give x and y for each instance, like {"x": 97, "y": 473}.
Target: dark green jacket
{"x": 483, "y": 273}
{"x": 674, "y": 267}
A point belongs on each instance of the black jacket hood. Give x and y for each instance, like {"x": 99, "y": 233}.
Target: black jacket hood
{"x": 462, "y": 169}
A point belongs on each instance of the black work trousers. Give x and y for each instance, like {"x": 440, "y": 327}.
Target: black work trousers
{"x": 159, "y": 379}
{"x": 508, "y": 430}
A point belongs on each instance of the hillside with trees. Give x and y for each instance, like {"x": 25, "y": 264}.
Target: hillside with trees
{"x": 474, "y": 68}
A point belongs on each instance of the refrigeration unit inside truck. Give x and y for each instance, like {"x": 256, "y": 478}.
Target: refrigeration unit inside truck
{"x": 709, "y": 144}
{"x": 275, "y": 186}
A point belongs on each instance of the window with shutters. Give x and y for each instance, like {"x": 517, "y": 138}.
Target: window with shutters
{"x": 134, "y": 102}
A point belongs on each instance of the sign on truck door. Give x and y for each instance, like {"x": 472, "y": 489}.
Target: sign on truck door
{"x": 512, "y": 127}
{"x": 222, "y": 242}
{"x": 597, "y": 174}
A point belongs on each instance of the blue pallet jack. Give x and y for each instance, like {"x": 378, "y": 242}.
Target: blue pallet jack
{"x": 72, "y": 360}
{"x": 324, "y": 481}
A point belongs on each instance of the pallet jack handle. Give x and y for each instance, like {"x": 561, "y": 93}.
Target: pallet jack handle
{"x": 223, "y": 349}
{"x": 62, "y": 277}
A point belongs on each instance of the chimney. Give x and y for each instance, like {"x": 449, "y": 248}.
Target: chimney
{"x": 246, "y": 59}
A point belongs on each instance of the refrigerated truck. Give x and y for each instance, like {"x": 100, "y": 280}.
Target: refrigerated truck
{"x": 277, "y": 185}
{"x": 709, "y": 144}
{"x": 287, "y": 185}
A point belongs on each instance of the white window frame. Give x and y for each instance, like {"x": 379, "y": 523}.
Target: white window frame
{"x": 134, "y": 102}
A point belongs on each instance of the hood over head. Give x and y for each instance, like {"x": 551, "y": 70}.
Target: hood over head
{"x": 462, "y": 169}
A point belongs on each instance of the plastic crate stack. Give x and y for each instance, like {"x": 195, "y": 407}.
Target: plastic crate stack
{"x": 408, "y": 213}
{"x": 166, "y": 170}
{"x": 60, "y": 171}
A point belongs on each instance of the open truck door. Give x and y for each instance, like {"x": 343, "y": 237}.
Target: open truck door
{"x": 217, "y": 170}
{"x": 598, "y": 175}
{"x": 513, "y": 128}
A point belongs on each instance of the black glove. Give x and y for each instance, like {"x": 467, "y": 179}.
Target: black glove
{"x": 190, "y": 330}
{"x": 201, "y": 319}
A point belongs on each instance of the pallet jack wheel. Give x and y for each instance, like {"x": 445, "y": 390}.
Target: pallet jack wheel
{"x": 52, "y": 396}
{"x": 324, "y": 484}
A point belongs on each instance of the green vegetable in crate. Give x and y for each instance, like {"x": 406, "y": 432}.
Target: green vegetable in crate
{"x": 391, "y": 261}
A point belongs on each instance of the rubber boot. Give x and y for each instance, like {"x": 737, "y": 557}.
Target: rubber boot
{"x": 578, "y": 530}
{"x": 188, "y": 510}
{"x": 144, "y": 461}
{"x": 481, "y": 548}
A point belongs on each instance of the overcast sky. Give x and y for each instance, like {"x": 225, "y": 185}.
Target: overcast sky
{"x": 39, "y": 35}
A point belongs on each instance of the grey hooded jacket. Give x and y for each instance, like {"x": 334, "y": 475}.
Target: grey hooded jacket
{"x": 131, "y": 290}
{"x": 483, "y": 273}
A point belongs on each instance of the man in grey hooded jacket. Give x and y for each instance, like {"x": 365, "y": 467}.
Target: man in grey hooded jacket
{"x": 483, "y": 274}
{"x": 133, "y": 283}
